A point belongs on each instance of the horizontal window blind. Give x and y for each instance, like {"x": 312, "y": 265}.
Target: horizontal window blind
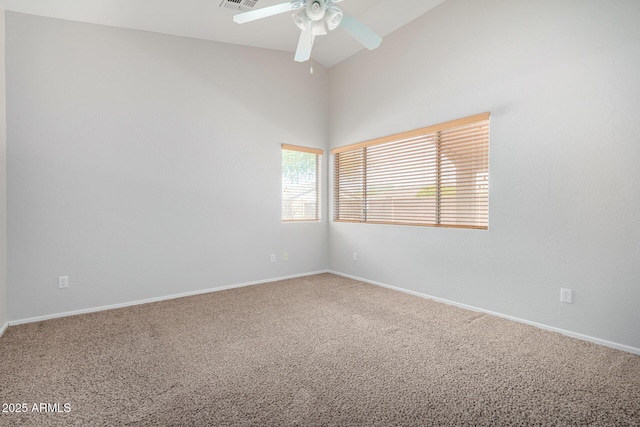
{"x": 434, "y": 176}
{"x": 301, "y": 183}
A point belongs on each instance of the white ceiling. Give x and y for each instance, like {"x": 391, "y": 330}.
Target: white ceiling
{"x": 205, "y": 19}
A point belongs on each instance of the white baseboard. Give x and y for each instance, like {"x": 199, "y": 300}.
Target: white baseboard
{"x": 583, "y": 337}
{"x": 599, "y": 341}
{"x": 156, "y": 299}
{"x": 3, "y": 328}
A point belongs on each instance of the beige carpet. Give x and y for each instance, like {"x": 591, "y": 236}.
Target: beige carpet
{"x": 321, "y": 350}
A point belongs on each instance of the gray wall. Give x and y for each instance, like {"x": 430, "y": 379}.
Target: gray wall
{"x": 561, "y": 82}
{"x": 143, "y": 165}
{"x": 131, "y": 157}
{"x": 3, "y": 183}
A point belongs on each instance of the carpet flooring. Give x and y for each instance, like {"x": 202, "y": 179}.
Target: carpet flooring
{"x": 316, "y": 351}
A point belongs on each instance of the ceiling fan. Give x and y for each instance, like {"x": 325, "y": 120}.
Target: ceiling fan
{"x": 313, "y": 19}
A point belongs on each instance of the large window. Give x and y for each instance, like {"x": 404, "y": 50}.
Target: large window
{"x": 435, "y": 176}
{"x": 301, "y": 183}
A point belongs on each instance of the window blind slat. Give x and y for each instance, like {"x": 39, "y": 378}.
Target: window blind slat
{"x": 434, "y": 176}
{"x": 478, "y": 119}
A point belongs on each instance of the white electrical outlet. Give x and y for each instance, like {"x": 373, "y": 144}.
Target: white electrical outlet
{"x": 273, "y": 257}
{"x": 285, "y": 257}
{"x": 355, "y": 256}
{"x": 63, "y": 282}
{"x": 566, "y": 295}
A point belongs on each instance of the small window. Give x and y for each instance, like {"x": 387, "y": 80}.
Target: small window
{"x": 435, "y": 176}
{"x": 301, "y": 188}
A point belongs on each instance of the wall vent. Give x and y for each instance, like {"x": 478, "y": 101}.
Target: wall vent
{"x": 239, "y": 4}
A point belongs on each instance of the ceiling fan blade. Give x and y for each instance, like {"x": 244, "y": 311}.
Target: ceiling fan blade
{"x": 360, "y": 32}
{"x": 265, "y": 12}
{"x": 305, "y": 44}
{"x": 318, "y": 29}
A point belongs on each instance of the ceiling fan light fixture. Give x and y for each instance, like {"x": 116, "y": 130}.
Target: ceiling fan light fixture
{"x": 316, "y": 9}
{"x": 301, "y": 19}
{"x": 333, "y": 17}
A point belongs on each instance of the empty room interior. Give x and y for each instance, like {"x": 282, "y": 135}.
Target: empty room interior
{"x": 280, "y": 222}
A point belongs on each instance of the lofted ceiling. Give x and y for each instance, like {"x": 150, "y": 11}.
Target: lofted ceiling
{"x": 205, "y": 19}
